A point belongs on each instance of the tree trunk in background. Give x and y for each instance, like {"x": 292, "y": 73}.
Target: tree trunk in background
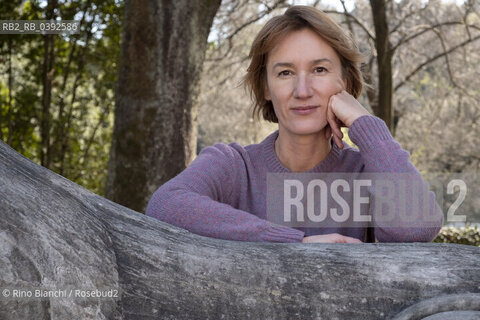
{"x": 47, "y": 75}
{"x": 384, "y": 106}
{"x": 57, "y": 235}
{"x": 10, "y": 95}
{"x": 163, "y": 49}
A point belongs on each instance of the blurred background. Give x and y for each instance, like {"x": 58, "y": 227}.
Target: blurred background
{"x": 125, "y": 104}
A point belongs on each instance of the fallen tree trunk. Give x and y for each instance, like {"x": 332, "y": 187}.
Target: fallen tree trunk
{"x": 56, "y": 235}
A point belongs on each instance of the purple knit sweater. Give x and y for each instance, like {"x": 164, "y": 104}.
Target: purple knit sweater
{"x": 222, "y": 193}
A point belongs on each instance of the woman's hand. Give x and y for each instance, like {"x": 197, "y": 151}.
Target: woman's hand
{"x": 330, "y": 238}
{"x": 343, "y": 109}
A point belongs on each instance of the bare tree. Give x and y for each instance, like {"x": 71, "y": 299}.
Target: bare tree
{"x": 389, "y": 19}
{"x": 383, "y": 107}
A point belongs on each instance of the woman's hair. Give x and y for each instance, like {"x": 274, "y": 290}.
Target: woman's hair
{"x": 297, "y": 18}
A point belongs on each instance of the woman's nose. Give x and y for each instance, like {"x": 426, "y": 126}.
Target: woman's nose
{"x": 303, "y": 87}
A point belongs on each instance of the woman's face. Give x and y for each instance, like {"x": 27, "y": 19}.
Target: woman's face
{"x": 303, "y": 72}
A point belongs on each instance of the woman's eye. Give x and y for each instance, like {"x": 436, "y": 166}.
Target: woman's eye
{"x": 284, "y": 73}
{"x": 320, "y": 69}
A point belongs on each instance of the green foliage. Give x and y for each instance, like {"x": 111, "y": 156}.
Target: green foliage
{"x": 82, "y": 93}
{"x": 464, "y": 235}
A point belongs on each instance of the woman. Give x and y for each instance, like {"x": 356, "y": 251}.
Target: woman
{"x": 303, "y": 75}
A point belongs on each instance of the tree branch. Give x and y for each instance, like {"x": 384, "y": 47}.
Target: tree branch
{"x": 347, "y": 18}
{"x": 256, "y": 18}
{"x": 447, "y": 60}
{"x": 406, "y": 39}
{"x": 358, "y": 22}
{"x": 420, "y": 67}
{"x": 408, "y": 15}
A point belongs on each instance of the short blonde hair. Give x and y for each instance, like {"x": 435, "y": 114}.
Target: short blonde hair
{"x": 294, "y": 19}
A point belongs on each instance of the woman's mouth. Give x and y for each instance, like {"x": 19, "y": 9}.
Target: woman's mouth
{"x": 304, "y": 110}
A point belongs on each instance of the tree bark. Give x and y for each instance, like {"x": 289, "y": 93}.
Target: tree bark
{"x": 384, "y": 107}
{"x": 155, "y": 130}
{"x": 56, "y": 235}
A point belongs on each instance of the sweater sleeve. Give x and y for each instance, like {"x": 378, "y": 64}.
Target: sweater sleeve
{"x": 382, "y": 154}
{"x": 198, "y": 200}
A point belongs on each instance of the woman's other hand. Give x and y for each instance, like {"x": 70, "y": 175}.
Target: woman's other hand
{"x": 330, "y": 238}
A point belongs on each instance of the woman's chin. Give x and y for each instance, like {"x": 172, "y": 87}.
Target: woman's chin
{"x": 307, "y": 128}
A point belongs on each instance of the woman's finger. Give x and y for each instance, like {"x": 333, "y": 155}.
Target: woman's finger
{"x": 352, "y": 240}
{"x": 340, "y": 124}
{"x": 332, "y": 119}
{"x": 328, "y": 131}
{"x": 338, "y": 141}
{"x": 333, "y": 122}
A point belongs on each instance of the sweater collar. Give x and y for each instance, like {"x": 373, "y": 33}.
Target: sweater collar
{"x": 274, "y": 165}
